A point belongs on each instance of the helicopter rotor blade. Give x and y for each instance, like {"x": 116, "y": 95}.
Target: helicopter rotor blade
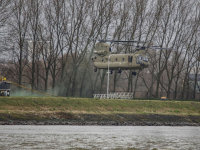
{"x": 119, "y": 41}
{"x": 161, "y": 48}
{"x": 130, "y": 41}
{"x": 136, "y": 46}
{"x": 152, "y": 47}
{"x": 131, "y": 45}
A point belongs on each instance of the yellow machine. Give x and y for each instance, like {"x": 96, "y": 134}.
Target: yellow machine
{"x": 4, "y": 87}
{"x": 2, "y": 79}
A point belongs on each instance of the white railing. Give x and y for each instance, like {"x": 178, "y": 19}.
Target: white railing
{"x": 121, "y": 95}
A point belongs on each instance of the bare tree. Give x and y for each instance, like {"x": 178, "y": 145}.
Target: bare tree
{"x": 5, "y": 11}
{"x": 34, "y": 20}
{"x": 18, "y": 31}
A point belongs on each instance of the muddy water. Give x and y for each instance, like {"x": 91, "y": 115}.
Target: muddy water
{"x": 98, "y": 137}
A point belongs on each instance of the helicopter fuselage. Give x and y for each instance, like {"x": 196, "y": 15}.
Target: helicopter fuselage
{"x": 120, "y": 61}
{"x": 103, "y": 58}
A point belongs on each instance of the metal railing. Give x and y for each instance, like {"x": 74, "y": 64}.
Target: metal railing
{"x": 121, "y": 95}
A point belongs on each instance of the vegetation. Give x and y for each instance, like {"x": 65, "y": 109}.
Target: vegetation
{"x": 20, "y": 105}
{"x": 48, "y": 45}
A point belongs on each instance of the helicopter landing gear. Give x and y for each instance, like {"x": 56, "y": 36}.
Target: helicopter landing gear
{"x": 134, "y": 73}
{"x": 95, "y": 69}
{"x": 119, "y": 71}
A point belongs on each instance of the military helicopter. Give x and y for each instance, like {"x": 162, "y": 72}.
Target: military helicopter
{"x": 104, "y": 58}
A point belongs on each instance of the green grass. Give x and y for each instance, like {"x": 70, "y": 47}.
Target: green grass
{"x": 97, "y": 106}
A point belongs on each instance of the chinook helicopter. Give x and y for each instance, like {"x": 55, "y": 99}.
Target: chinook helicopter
{"x": 126, "y": 61}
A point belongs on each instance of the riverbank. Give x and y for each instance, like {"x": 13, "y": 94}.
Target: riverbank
{"x": 80, "y": 111}
{"x": 98, "y": 119}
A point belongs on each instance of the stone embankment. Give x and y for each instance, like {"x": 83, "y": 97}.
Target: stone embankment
{"x": 100, "y": 119}
{"x": 100, "y": 123}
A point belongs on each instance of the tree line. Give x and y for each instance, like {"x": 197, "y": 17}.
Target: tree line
{"x": 50, "y": 44}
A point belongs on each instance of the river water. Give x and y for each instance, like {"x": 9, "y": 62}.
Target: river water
{"x": 17, "y": 137}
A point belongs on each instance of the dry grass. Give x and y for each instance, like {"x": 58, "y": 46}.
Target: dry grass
{"x": 96, "y": 106}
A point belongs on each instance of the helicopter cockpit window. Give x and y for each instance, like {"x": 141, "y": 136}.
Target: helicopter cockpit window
{"x": 130, "y": 58}
{"x": 145, "y": 59}
{"x": 139, "y": 59}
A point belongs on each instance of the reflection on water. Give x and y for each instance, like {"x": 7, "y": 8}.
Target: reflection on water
{"x": 99, "y": 137}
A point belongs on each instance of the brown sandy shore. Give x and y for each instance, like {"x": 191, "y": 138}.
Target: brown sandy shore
{"x": 102, "y": 120}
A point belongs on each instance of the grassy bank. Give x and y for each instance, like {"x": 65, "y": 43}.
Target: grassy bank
{"x": 20, "y": 105}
